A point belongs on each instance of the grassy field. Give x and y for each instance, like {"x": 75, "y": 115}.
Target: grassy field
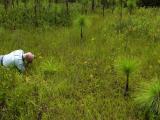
{"x": 77, "y": 79}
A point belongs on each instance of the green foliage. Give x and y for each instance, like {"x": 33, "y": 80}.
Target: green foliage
{"x": 84, "y": 5}
{"x": 127, "y": 66}
{"x": 57, "y": 16}
{"x": 131, "y": 4}
{"x": 51, "y": 65}
{"x": 82, "y": 21}
{"x": 84, "y": 2}
{"x": 148, "y": 98}
{"x": 134, "y": 26}
{"x": 19, "y": 17}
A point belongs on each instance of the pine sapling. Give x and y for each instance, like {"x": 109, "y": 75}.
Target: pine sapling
{"x": 148, "y": 99}
{"x": 82, "y": 22}
{"x": 127, "y": 66}
{"x": 131, "y": 5}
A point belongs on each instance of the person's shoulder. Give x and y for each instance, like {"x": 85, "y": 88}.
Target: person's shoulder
{"x": 19, "y": 51}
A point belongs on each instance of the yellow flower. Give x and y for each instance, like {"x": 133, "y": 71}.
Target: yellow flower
{"x": 40, "y": 56}
{"x": 93, "y": 39}
{"x": 150, "y": 66}
{"x": 91, "y": 76}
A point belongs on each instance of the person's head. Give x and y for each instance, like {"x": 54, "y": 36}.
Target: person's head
{"x": 28, "y": 57}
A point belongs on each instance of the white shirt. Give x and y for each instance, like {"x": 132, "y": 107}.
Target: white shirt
{"x": 14, "y": 59}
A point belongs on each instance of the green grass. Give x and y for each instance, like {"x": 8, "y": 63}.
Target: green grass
{"x": 86, "y": 84}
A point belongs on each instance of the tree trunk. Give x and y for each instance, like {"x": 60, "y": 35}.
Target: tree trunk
{"x": 49, "y": 3}
{"x": 147, "y": 115}
{"x": 67, "y": 6}
{"x": 127, "y": 85}
{"x": 17, "y": 3}
{"x": 6, "y": 4}
{"x": 25, "y": 4}
{"x": 126, "y": 45}
{"x": 39, "y": 117}
{"x": 81, "y": 32}
{"x": 103, "y": 9}
{"x": 93, "y": 5}
{"x": 121, "y": 14}
{"x": 36, "y": 12}
{"x": 37, "y": 5}
{"x": 55, "y": 1}
{"x": 55, "y": 16}
{"x": 112, "y": 6}
{"x": 13, "y": 3}
{"x": 55, "y": 19}
{"x": 85, "y": 9}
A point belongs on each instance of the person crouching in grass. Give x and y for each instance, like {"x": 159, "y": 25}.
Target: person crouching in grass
{"x": 17, "y": 59}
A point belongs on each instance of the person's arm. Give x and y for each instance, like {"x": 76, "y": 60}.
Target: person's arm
{"x": 21, "y": 68}
{"x": 20, "y": 65}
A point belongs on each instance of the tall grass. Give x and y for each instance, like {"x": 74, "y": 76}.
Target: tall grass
{"x": 84, "y": 83}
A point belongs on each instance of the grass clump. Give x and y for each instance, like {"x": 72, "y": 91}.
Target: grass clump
{"x": 50, "y": 66}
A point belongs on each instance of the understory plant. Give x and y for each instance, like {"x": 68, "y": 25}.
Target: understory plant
{"x": 127, "y": 66}
{"x": 148, "y": 99}
{"x": 50, "y": 67}
{"x": 82, "y": 22}
{"x": 131, "y": 5}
